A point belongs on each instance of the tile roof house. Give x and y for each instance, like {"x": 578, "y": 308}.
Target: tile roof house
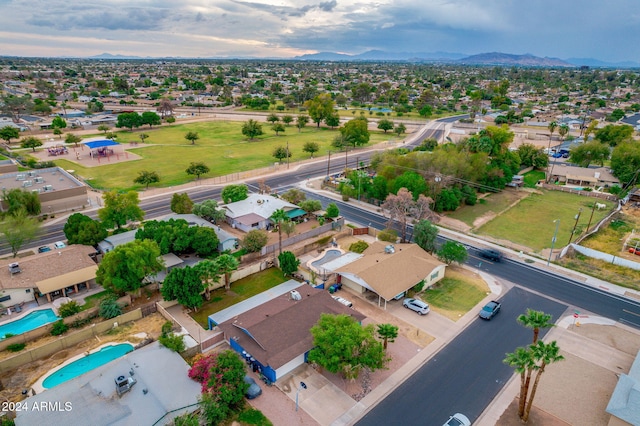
{"x": 276, "y": 333}
{"x": 388, "y": 270}
{"x": 254, "y": 211}
{"x": 52, "y": 274}
{"x": 583, "y": 176}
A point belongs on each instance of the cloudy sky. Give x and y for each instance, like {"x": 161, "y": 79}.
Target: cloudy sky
{"x": 608, "y": 30}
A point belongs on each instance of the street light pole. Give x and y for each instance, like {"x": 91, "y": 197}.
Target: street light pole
{"x": 302, "y": 386}
{"x": 288, "y": 155}
{"x": 553, "y": 240}
{"x": 328, "y": 164}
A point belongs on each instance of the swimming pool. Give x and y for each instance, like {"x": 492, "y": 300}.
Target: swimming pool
{"x": 327, "y": 256}
{"x": 30, "y": 321}
{"x": 86, "y": 363}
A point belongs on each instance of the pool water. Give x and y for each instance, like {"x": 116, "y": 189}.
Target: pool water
{"x": 329, "y": 255}
{"x": 86, "y": 363}
{"x": 29, "y": 322}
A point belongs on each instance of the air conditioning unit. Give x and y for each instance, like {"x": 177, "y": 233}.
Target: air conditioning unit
{"x": 39, "y": 179}
{"x": 27, "y": 183}
{"x": 47, "y": 188}
{"x": 20, "y": 176}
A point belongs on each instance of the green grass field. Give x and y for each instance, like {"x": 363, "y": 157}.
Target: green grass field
{"x": 532, "y": 177}
{"x": 456, "y": 294}
{"x": 490, "y": 203}
{"x": 530, "y": 222}
{"x": 221, "y": 146}
{"x": 240, "y": 290}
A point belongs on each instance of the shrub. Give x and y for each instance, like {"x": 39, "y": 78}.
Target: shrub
{"x": 388, "y": 235}
{"x": 358, "y": 247}
{"x": 16, "y": 347}
{"x": 59, "y": 327}
{"x": 166, "y": 328}
{"x": 69, "y": 308}
{"x": 109, "y": 308}
{"x": 173, "y": 342}
{"x": 170, "y": 119}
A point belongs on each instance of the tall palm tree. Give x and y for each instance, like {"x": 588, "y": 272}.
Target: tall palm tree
{"x": 522, "y": 361}
{"x": 563, "y": 130}
{"x": 535, "y": 320}
{"x": 225, "y": 265}
{"x": 209, "y": 273}
{"x": 552, "y": 128}
{"x": 278, "y": 217}
{"x": 544, "y": 354}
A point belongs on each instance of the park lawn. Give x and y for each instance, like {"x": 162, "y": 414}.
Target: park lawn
{"x": 456, "y": 294}
{"x": 221, "y": 146}
{"x": 531, "y": 222}
{"x": 491, "y": 203}
{"x": 240, "y": 290}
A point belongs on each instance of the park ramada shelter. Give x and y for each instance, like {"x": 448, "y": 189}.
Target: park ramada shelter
{"x": 50, "y": 275}
{"x": 388, "y": 270}
{"x": 273, "y": 327}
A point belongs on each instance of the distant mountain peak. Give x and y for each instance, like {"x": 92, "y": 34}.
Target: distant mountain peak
{"x": 498, "y": 58}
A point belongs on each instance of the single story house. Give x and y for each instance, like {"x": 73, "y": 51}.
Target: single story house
{"x": 389, "y": 270}
{"x": 53, "y": 274}
{"x": 273, "y": 336}
{"x": 254, "y": 211}
{"x": 582, "y": 176}
{"x": 624, "y": 405}
{"x": 162, "y": 391}
{"x": 113, "y": 241}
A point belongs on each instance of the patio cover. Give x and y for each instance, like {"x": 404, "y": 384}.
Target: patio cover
{"x": 66, "y": 280}
{"x": 295, "y": 213}
{"x": 100, "y": 144}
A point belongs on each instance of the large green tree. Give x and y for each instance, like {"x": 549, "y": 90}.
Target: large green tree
{"x": 209, "y": 210}
{"x": 342, "y": 345}
{"x": 355, "y": 132}
{"x": 30, "y": 142}
{"x": 185, "y": 286}
{"x": 625, "y": 161}
{"x": 150, "y": 118}
{"x": 147, "y": 177}
{"x": 288, "y": 262}
{"x": 197, "y": 168}
{"x": 81, "y": 229}
{"x": 425, "y": 235}
{"x": 311, "y": 148}
{"x": 9, "y": 132}
{"x": 129, "y": 120}
{"x": 588, "y": 153}
{"x": 233, "y": 193}
{"x": 124, "y": 268}
{"x": 72, "y": 139}
{"x": 18, "y": 199}
{"x": 281, "y": 152}
{"x": 120, "y": 208}
{"x": 251, "y": 129}
{"x": 192, "y": 137}
{"x": 18, "y": 229}
{"x": 254, "y": 240}
{"x": 320, "y": 107}
{"x": 452, "y": 251}
{"x": 181, "y": 203}
{"x": 612, "y": 134}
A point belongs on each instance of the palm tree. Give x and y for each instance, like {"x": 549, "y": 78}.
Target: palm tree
{"x": 387, "y": 332}
{"x": 535, "y": 320}
{"x": 225, "y": 265}
{"x": 277, "y": 217}
{"x": 552, "y": 128}
{"x": 545, "y": 354}
{"x": 209, "y": 273}
{"x": 522, "y": 361}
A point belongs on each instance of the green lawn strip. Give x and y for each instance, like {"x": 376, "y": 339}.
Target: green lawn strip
{"x": 491, "y": 203}
{"x": 530, "y": 222}
{"x": 251, "y": 416}
{"x": 91, "y": 301}
{"x": 240, "y": 290}
{"x": 453, "y": 297}
{"x": 532, "y": 177}
{"x": 221, "y": 146}
{"x": 616, "y": 274}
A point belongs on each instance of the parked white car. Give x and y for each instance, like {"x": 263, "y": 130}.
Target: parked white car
{"x": 419, "y": 306}
{"x": 345, "y": 302}
{"x": 59, "y": 244}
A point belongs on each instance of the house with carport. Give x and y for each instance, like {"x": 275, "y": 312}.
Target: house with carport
{"x": 50, "y": 275}
{"x": 388, "y": 270}
{"x": 271, "y": 330}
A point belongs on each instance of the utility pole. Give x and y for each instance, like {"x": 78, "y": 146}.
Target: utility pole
{"x": 593, "y": 209}
{"x": 574, "y": 226}
{"x": 553, "y": 240}
{"x": 346, "y": 164}
{"x": 328, "y": 164}
{"x": 288, "y": 155}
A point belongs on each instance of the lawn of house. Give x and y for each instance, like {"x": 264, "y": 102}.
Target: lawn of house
{"x": 240, "y": 290}
{"x": 456, "y": 294}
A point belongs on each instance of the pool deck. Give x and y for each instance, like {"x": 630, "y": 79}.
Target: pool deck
{"x": 39, "y": 388}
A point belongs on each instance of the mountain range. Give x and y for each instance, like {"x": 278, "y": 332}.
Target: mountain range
{"x": 492, "y": 58}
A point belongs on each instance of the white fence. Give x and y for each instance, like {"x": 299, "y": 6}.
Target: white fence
{"x": 613, "y": 259}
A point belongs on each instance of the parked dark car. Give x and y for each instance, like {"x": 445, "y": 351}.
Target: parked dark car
{"x": 254, "y": 390}
{"x": 44, "y": 249}
{"x": 491, "y": 254}
{"x": 490, "y": 310}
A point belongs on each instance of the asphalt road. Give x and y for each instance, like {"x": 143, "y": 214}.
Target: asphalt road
{"x": 466, "y": 374}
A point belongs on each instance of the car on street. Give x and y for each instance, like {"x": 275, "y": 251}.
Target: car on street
{"x": 419, "y": 306}
{"x": 44, "y": 249}
{"x": 342, "y": 300}
{"x": 59, "y": 245}
{"x": 491, "y": 254}
{"x": 254, "y": 390}
{"x": 490, "y": 310}
{"x": 458, "y": 420}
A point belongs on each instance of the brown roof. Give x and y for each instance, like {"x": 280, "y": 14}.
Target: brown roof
{"x": 40, "y": 268}
{"x": 279, "y": 328}
{"x": 389, "y": 274}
